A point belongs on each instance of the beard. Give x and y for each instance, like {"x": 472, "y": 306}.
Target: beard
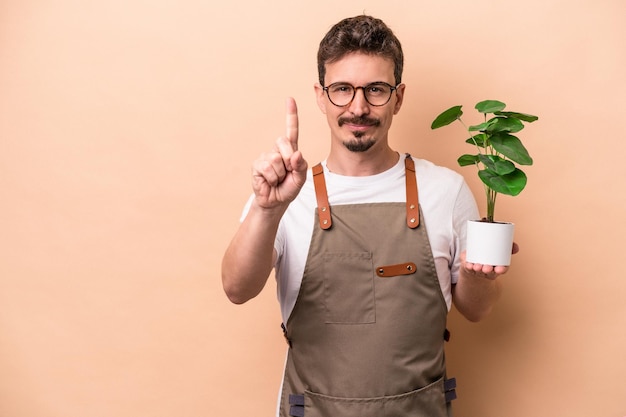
{"x": 359, "y": 143}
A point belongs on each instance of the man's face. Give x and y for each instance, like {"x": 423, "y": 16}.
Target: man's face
{"x": 360, "y": 126}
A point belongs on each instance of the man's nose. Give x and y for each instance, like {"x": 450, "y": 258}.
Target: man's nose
{"x": 359, "y": 105}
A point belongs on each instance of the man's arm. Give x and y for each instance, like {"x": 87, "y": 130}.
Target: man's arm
{"x": 250, "y": 257}
{"x": 277, "y": 178}
{"x": 478, "y": 288}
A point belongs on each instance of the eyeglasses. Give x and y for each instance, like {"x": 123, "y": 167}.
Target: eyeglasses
{"x": 376, "y": 94}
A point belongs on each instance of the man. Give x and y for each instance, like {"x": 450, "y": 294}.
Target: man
{"x": 367, "y": 266}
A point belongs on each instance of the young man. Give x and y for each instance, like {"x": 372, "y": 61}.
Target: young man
{"x": 367, "y": 266}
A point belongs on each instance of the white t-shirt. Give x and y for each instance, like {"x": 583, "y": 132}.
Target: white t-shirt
{"x": 446, "y": 201}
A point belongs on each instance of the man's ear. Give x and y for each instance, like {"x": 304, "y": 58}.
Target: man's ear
{"x": 320, "y": 95}
{"x": 399, "y": 98}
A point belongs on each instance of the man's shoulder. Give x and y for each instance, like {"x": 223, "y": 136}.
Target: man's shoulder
{"x": 428, "y": 170}
{"x": 427, "y": 165}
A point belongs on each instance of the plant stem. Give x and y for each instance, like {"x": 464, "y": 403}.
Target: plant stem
{"x": 472, "y": 136}
{"x": 491, "y": 194}
{"x": 491, "y": 204}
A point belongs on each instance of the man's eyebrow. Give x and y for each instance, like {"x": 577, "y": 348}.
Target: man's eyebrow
{"x": 363, "y": 85}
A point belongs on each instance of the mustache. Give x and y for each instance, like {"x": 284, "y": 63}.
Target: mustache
{"x": 362, "y": 121}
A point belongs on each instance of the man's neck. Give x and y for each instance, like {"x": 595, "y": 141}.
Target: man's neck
{"x": 360, "y": 164}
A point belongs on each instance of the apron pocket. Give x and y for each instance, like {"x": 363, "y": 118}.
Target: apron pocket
{"x": 424, "y": 402}
{"x": 429, "y": 401}
{"x": 349, "y": 288}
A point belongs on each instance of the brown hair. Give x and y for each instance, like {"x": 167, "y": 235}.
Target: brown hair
{"x": 364, "y": 34}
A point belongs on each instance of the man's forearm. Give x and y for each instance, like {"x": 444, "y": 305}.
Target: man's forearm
{"x": 249, "y": 258}
{"x": 475, "y": 295}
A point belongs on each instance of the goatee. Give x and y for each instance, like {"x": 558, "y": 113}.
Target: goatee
{"x": 357, "y": 145}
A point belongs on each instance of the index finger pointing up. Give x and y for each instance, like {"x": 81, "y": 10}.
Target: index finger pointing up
{"x": 292, "y": 123}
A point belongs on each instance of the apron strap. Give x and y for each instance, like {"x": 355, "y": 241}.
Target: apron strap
{"x": 412, "y": 200}
{"x": 296, "y": 403}
{"x": 449, "y": 387}
{"x": 323, "y": 208}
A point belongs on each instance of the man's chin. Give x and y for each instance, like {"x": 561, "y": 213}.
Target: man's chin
{"x": 358, "y": 145}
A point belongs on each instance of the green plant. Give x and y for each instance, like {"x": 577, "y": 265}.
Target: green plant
{"x": 498, "y": 149}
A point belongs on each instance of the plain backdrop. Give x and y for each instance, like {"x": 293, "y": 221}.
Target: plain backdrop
{"x": 127, "y": 132}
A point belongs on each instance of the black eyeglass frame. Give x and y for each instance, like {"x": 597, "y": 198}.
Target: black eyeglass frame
{"x": 363, "y": 87}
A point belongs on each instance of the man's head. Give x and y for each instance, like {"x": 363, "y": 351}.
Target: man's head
{"x": 363, "y": 34}
{"x": 360, "y": 89}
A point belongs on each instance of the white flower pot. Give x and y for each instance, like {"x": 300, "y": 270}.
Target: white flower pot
{"x": 489, "y": 243}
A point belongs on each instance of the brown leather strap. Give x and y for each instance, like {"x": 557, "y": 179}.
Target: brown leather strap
{"x": 412, "y": 200}
{"x": 323, "y": 208}
{"x": 406, "y": 268}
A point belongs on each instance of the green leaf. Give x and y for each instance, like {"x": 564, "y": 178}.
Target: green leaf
{"x": 505, "y": 124}
{"x": 478, "y": 140}
{"x": 520, "y": 116}
{"x": 511, "y": 147}
{"x": 447, "y": 117}
{"x": 465, "y": 160}
{"x": 509, "y": 184}
{"x": 483, "y": 126}
{"x": 490, "y": 106}
{"x": 496, "y": 164}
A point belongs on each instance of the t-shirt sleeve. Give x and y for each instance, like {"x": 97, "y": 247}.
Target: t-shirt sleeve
{"x": 246, "y": 208}
{"x": 465, "y": 209}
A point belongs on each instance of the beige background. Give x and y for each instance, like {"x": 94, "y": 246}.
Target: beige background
{"x": 127, "y": 129}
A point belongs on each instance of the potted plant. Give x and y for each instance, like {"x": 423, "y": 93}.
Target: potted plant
{"x": 499, "y": 152}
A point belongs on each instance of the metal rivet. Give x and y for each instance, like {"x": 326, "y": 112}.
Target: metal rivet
{"x": 323, "y": 208}
{"x": 381, "y": 271}
{"x": 409, "y": 267}
{"x": 325, "y": 221}
{"x": 412, "y": 206}
{"x": 413, "y": 220}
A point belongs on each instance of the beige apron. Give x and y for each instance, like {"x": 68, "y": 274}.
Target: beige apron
{"x": 366, "y": 333}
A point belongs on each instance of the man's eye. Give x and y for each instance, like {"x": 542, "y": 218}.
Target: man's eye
{"x": 341, "y": 89}
{"x": 377, "y": 89}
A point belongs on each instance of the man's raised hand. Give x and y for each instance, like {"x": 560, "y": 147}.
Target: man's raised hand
{"x": 278, "y": 176}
